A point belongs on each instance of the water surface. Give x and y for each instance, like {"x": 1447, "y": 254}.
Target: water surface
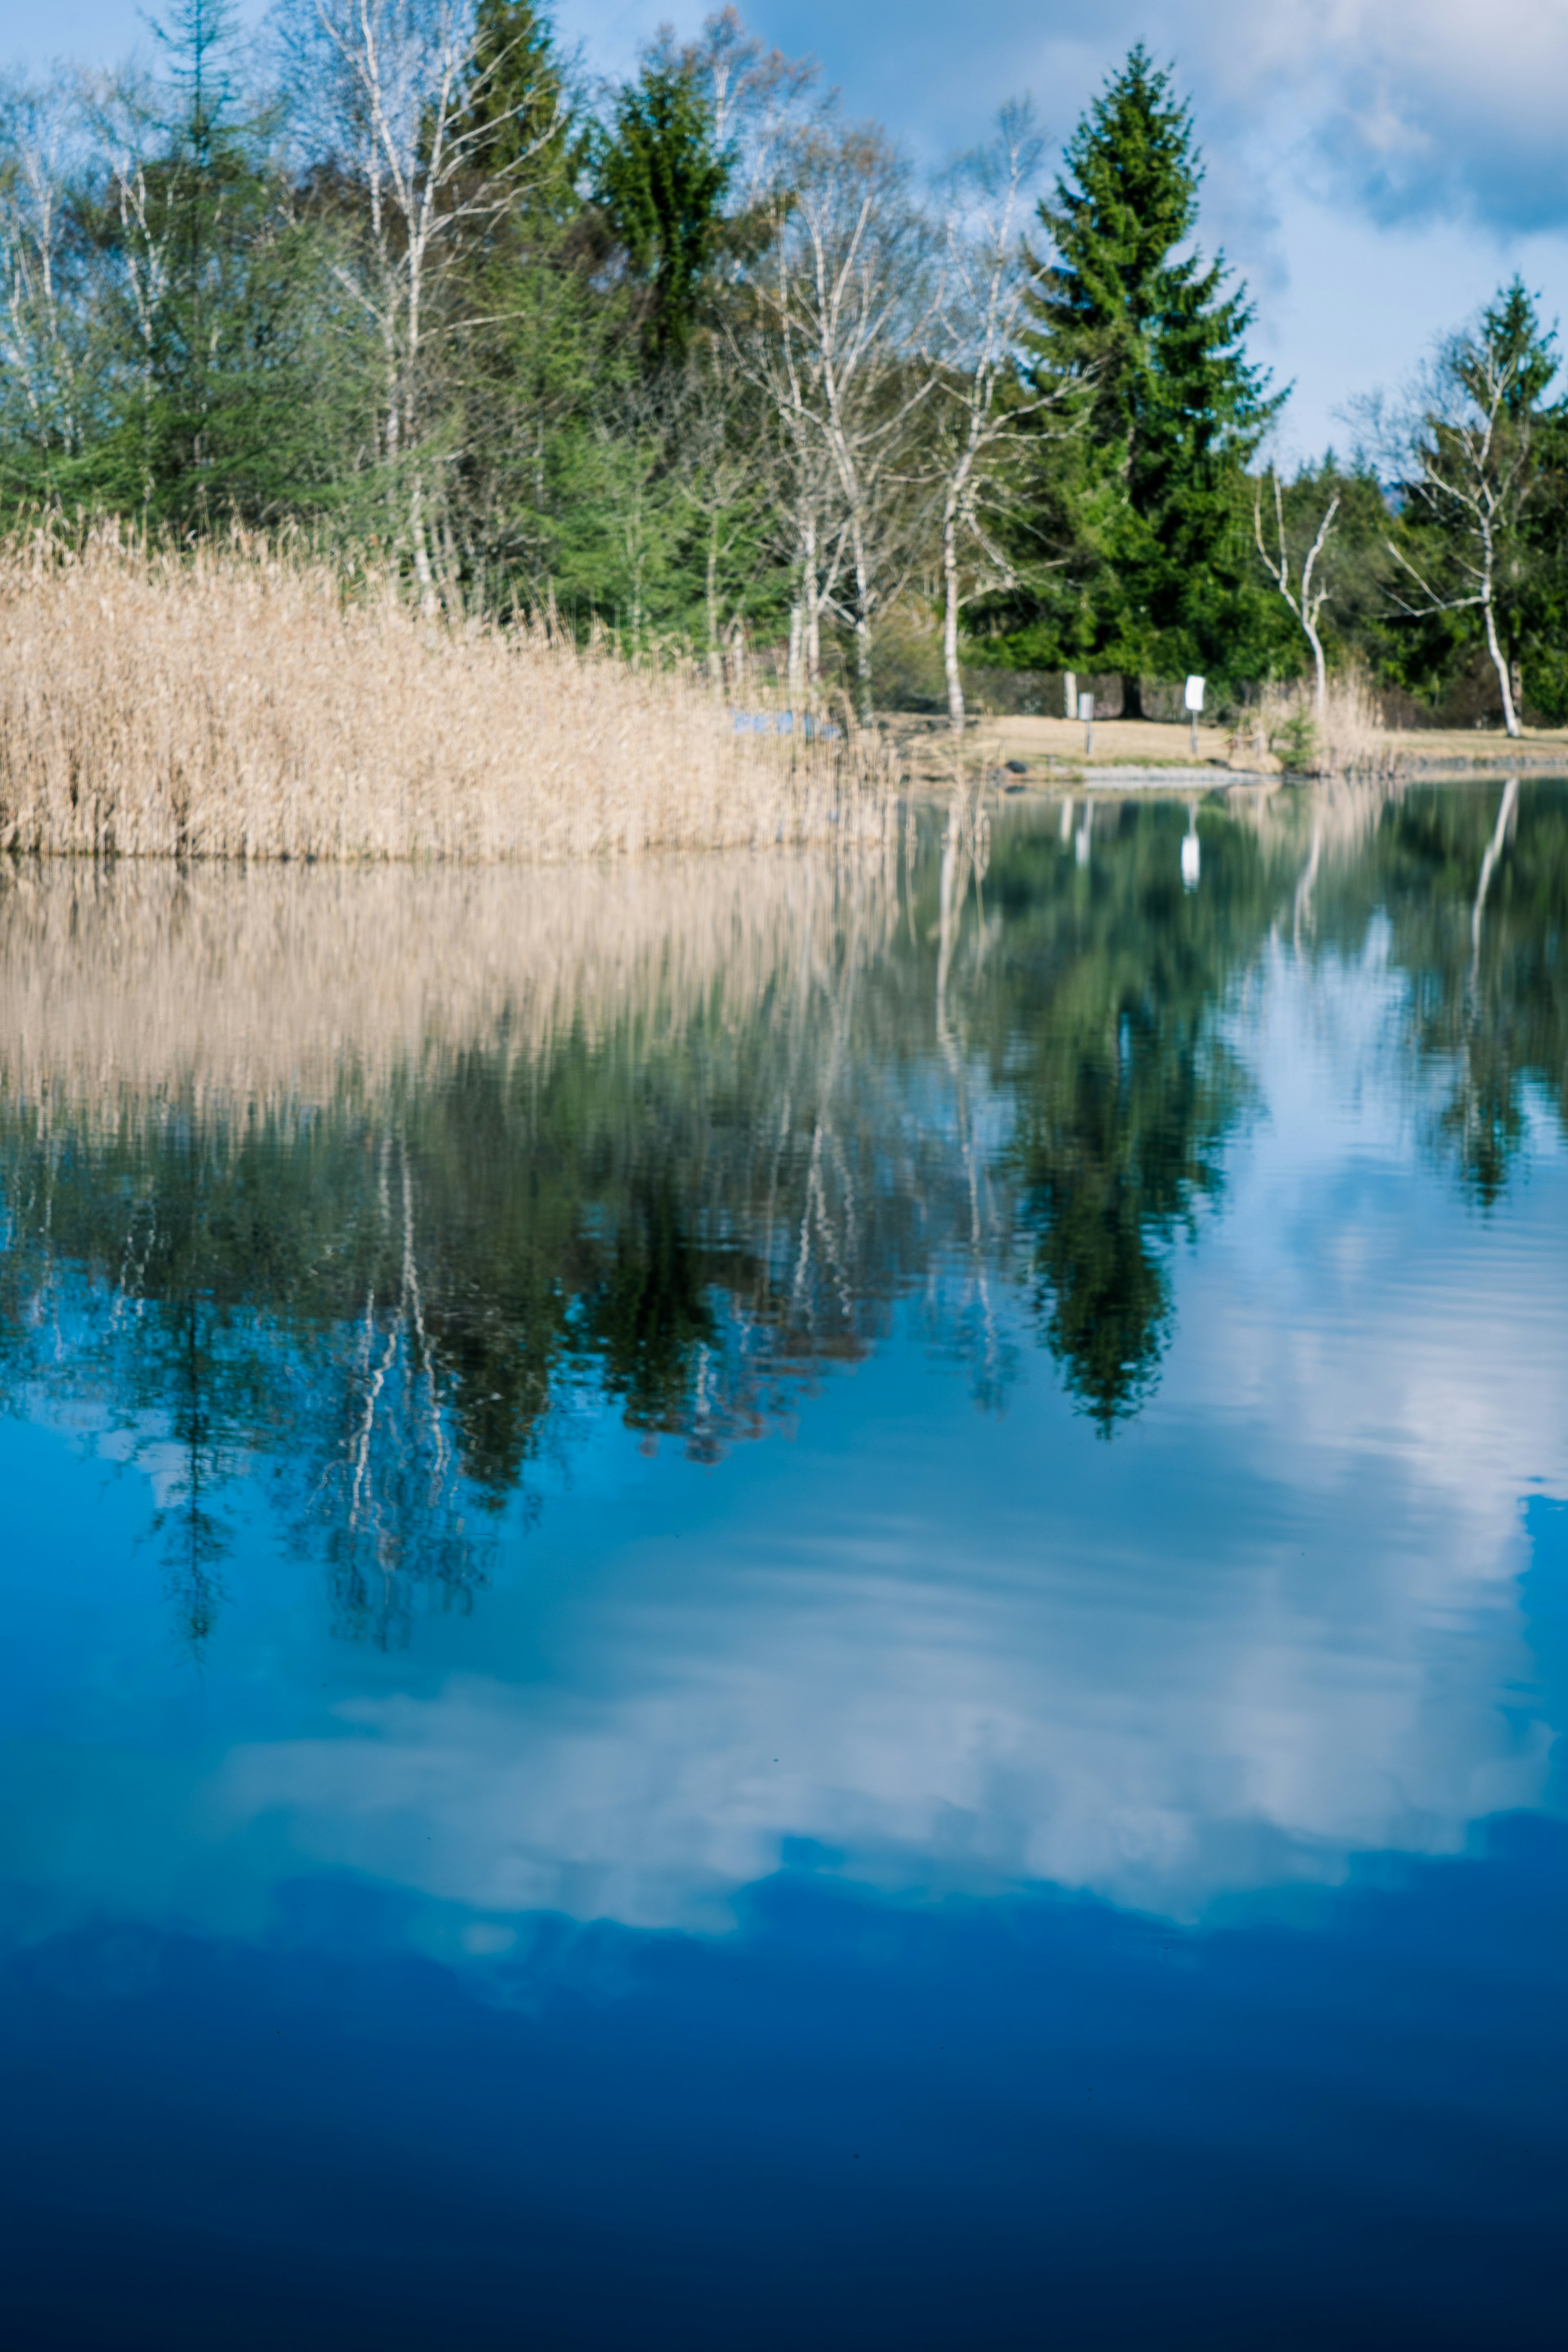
{"x": 762, "y": 1601}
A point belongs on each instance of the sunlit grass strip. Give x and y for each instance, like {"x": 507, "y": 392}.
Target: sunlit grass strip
{"x": 237, "y": 701}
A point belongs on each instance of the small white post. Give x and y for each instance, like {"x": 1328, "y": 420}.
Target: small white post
{"x": 1195, "y": 700}
{"x": 1085, "y": 712}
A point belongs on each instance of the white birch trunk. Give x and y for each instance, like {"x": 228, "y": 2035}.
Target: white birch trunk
{"x": 956, "y": 710}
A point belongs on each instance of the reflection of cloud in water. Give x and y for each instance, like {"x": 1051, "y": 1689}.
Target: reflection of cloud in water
{"x": 929, "y": 1734}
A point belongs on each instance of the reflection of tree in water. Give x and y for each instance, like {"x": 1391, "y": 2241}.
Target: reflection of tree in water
{"x": 406, "y": 1280}
{"x": 384, "y": 1488}
{"x": 196, "y": 1536}
{"x": 1474, "y": 884}
{"x": 388, "y": 1295}
{"x": 172, "y": 1280}
{"x": 401, "y": 1293}
{"x": 1108, "y": 980}
{"x": 1484, "y": 1119}
{"x": 650, "y": 1316}
{"x": 149, "y": 1352}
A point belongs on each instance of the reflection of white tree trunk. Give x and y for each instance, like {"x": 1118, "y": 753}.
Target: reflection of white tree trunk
{"x": 964, "y": 852}
{"x": 398, "y": 1462}
{"x": 1303, "y": 906}
{"x": 1084, "y": 836}
{"x": 1505, "y": 817}
{"x": 817, "y": 1215}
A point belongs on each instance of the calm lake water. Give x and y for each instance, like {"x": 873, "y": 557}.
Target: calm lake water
{"x": 750, "y": 1604}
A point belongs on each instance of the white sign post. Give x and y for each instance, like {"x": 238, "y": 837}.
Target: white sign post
{"x": 1194, "y": 704}
{"x": 1085, "y": 712}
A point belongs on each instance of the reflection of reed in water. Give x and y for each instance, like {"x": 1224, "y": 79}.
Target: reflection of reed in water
{"x": 1330, "y": 820}
{"x": 428, "y": 1150}
{"x": 128, "y": 986}
{"x": 440, "y": 1157}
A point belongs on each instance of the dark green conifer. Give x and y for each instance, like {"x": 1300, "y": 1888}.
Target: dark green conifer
{"x": 1148, "y": 339}
{"x": 517, "y": 98}
{"x": 662, "y": 183}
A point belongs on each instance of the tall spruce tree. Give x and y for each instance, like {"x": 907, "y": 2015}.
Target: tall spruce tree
{"x": 211, "y": 393}
{"x": 1148, "y": 344}
{"x": 662, "y": 182}
{"x": 519, "y": 96}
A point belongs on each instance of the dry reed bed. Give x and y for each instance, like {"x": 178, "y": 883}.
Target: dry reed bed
{"x": 235, "y": 702}
{"x": 129, "y": 992}
{"x": 1346, "y": 737}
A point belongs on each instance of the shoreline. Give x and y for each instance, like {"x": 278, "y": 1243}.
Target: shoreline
{"x": 1092, "y": 775}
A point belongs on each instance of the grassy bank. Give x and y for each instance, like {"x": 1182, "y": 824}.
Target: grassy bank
{"x": 1281, "y": 733}
{"x": 234, "y": 701}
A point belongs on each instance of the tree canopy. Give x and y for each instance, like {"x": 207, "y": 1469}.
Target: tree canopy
{"x": 684, "y": 359}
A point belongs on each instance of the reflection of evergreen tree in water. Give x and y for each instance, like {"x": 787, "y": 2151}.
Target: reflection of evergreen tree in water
{"x": 386, "y": 1296}
{"x": 1106, "y": 984}
{"x": 196, "y": 1537}
{"x": 158, "y": 1354}
{"x": 651, "y": 1312}
{"x": 202, "y": 1284}
{"x": 403, "y": 1284}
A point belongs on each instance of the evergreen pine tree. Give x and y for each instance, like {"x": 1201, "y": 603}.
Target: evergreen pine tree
{"x": 662, "y": 182}
{"x": 518, "y": 95}
{"x": 214, "y": 412}
{"x": 1148, "y": 343}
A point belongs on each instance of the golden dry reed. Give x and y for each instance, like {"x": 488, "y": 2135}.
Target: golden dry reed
{"x": 237, "y": 701}
{"x": 1346, "y": 737}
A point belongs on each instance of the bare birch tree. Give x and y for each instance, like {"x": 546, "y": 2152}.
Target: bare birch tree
{"x": 399, "y": 90}
{"x": 40, "y": 132}
{"x": 723, "y": 452}
{"x": 1311, "y": 592}
{"x": 984, "y": 408}
{"x": 1473, "y": 464}
{"x": 754, "y": 96}
{"x": 143, "y": 203}
{"x": 844, "y": 297}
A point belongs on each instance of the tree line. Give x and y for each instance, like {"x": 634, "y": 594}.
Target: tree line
{"x": 698, "y": 361}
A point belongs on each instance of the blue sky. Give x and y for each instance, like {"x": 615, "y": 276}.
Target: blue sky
{"x": 1376, "y": 167}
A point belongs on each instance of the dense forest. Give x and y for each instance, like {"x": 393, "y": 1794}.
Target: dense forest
{"x": 702, "y": 363}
